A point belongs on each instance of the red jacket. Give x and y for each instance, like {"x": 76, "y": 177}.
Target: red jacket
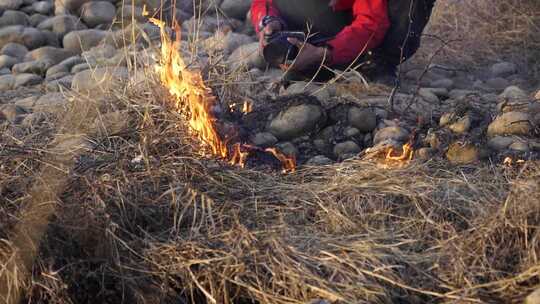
{"x": 366, "y": 31}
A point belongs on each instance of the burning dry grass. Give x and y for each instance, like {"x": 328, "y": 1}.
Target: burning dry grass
{"x": 146, "y": 219}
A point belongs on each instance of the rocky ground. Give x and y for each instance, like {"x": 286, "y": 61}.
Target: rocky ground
{"x": 52, "y": 53}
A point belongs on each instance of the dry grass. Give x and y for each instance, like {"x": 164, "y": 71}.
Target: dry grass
{"x": 480, "y": 31}
{"x": 146, "y": 219}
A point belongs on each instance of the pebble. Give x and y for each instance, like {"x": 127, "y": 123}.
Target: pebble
{"x": 503, "y": 69}
{"x": 236, "y": 8}
{"x": 264, "y": 139}
{"x": 6, "y": 82}
{"x": 344, "y": 148}
{"x": 14, "y": 50}
{"x": 510, "y": 123}
{"x": 97, "y": 12}
{"x": 390, "y": 133}
{"x": 43, "y": 7}
{"x": 7, "y": 61}
{"x": 319, "y": 160}
{"x": 462, "y": 154}
{"x": 297, "y": 121}
{"x": 363, "y": 119}
{"x": 500, "y": 143}
{"x": 351, "y": 132}
{"x": 78, "y": 41}
{"x": 64, "y": 83}
{"x": 10, "y": 4}
{"x": 102, "y": 79}
{"x": 36, "y": 19}
{"x": 53, "y": 54}
{"x": 428, "y": 95}
{"x": 38, "y": 67}
{"x": 26, "y": 79}
{"x": 13, "y": 18}
{"x": 248, "y": 56}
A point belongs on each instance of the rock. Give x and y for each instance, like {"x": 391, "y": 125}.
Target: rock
{"x": 247, "y": 55}
{"x": 48, "y": 101}
{"x": 62, "y": 83}
{"x": 10, "y": 4}
{"x": 38, "y": 67}
{"x": 55, "y": 76}
{"x": 97, "y": 12}
{"x": 236, "y": 8}
{"x": 204, "y": 24}
{"x": 391, "y": 133}
{"x": 12, "y": 112}
{"x": 503, "y": 69}
{"x": 500, "y": 143}
{"x": 14, "y": 50}
{"x": 36, "y": 19}
{"x": 68, "y": 6}
{"x": 62, "y": 24}
{"x": 103, "y": 79}
{"x": 302, "y": 87}
{"x": 364, "y": 120}
{"x": 33, "y": 119}
{"x": 129, "y": 12}
{"x": 55, "y": 55}
{"x": 78, "y": 41}
{"x": 462, "y": 154}
{"x": 519, "y": 146}
{"x": 513, "y": 93}
{"x": 264, "y": 139}
{"x": 29, "y": 37}
{"x": 462, "y": 125}
{"x": 424, "y": 153}
{"x": 4, "y": 71}
{"x": 510, "y": 123}
{"x": 288, "y": 149}
{"x": 26, "y": 79}
{"x": 459, "y": 93}
{"x": 43, "y": 7}
{"x": 497, "y": 83}
{"x": 319, "y": 160}
{"x": 7, "y": 61}
{"x": 13, "y": 18}
{"x": 80, "y": 67}
{"x": 533, "y": 298}
{"x": 6, "y": 82}
{"x": 64, "y": 66}
{"x": 445, "y": 83}
{"x": 344, "y": 148}
{"x": 297, "y": 121}
{"x": 351, "y": 132}
{"x": 428, "y": 95}
{"x": 27, "y": 102}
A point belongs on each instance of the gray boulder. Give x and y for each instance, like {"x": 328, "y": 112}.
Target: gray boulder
{"x": 510, "y": 123}
{"x": 391, "y": 133}
{"x": 6, "y": 82}
{"x": 26, "y": 80}
{"x": 248, "y": 56}
{"x": 36, "y": 19}
{"x": 264, "y": 139}
{"x": 5, "y": 71}
{"x": 38, "y": 67}
{"x": 43, "y": 7}
{"x": 319, "y": 160}
{"x": 64, "y": 66}
{"x": 503, "y": 69}
{"x": 62, "y": 83}
{"x": 236, "y": 8}
{"x": 97, "y": 12}
{"x": 62, "y": 24}
{"x": 365, "y": 120}
{"x": 78, "y": 41}
{"x": 27, "y": 36}
{"x": 68, "y": 6}
{"x": 513, "y": 93}
{"x": 500, "y": 143}
{"x": 13, "y": 18}
{"x": 100, "y": 79}
{"x": 14, "y": 50}
{"x": 55, "y": 55}
{"x": 297, "y": 121}
{"x": 346, "y": 148}
{"x": 10, "y": 4}
{"x": 7, "y": 61}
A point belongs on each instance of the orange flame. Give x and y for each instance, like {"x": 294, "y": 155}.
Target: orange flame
{"x": 194, "y": 99}
{"x": 407, "y": 154}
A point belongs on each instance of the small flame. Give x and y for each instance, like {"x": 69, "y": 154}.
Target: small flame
{"x": 509, "y": 162}
{"x": 288, "y": 162}
{"x": 195, "y": 100}
{"x": 145, "y": 11}
{"x": 407, "y": 153}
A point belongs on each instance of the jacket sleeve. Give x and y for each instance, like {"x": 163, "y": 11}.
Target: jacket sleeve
{"x": 258, "y": 11}
{"x": 366, "y": 32}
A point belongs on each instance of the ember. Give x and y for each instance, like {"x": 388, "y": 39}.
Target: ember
{"x": 196, "y": 101}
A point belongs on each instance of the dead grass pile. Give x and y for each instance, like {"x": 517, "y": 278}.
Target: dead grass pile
{"x": 482, "y": 30}
{"x": 146, "y": 219}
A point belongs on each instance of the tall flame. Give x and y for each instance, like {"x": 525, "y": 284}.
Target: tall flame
{"x": 196, "y": 100}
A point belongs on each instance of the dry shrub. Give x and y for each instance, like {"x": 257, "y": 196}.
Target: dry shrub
{"x": 480, "y": 30}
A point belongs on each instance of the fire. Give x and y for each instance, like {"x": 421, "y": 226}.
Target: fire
{"x": 195, "y": 100}
{"x": 407, "y": 153}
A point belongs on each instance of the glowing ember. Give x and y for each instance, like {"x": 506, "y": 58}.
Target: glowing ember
{"x": 509, "y": 162}
{"x": 195, "y": 100}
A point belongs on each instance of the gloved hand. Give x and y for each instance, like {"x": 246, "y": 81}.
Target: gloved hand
{"x": 271, "y": 28}
{"x": 309, "y": 56}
